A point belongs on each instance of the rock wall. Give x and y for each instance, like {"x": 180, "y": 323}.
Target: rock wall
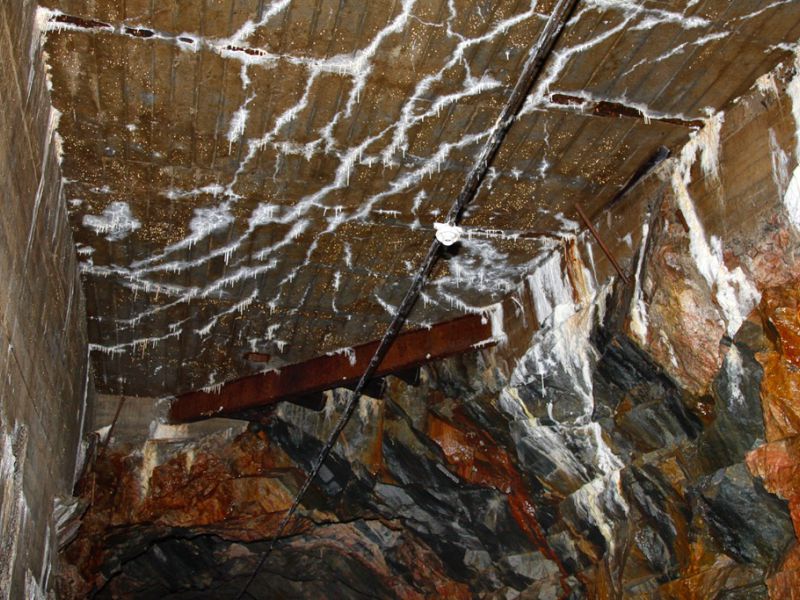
{"x": 641, "y": 444}
{"x": 43, "y": 346}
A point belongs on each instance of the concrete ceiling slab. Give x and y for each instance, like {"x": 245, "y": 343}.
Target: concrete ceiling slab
{"x": 247, "y": 175}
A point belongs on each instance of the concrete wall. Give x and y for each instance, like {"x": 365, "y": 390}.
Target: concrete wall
{"x": 43, "y": 346}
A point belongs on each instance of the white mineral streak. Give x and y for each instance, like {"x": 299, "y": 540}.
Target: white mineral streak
{"x": 549, "y": 287}
{"x": 553, "y": 443}
{"x": 330, "y": 405}
{"x": 12, "y": 501}
{"x": 33, "y": 589}
{"x": 348, "y": 353}
{"x": 791, "y": 198}
{"x": 238, "y": 123}
{"x": 638, "y": 322}
{"x": 563, "y": 339}
{"x": 149, "y": 463}
{"x": 577, "y": 449}
{"x": 607, "y": 462}
{"x": 368, "y": 408}
{"x": 735, "y": 370}
{"x": 780, "y": 164}
{"x": 734, "y": 293}
{"x": 214, "y": 385}
{"x": 83, "y": 445}
{"x": 391, "y": 309}
{"x": 36, "y": 588}
{"x": 568, "y": 225}
{"x": 495, "y": 314}
{"x": 14, "y": 515}
{"x": 600, "y": 498}
{"x": 238, "y": 307}
{"x": 679, "y": 49}
{"x": 763, "y": 9}
{"x": 206, "y": 221}
{"x": 163, "y": 431}
{"x": 139, "y": 344}
{"x": 53, "y": 137}
{"x": 213, "y": 189}
{"x": 782, "y": 47}
{"x": 768, "y": 85}
{"x": 564, "y": 342}
{"x": 240, "y": 38}
{"x": 480, "y": 268}
{"x": 116, "y": 222}
{"x": 102, "y": 433}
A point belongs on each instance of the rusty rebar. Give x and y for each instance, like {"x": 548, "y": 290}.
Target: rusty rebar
{"x": 602, "y": 244}
{"x": 111, "y": 428}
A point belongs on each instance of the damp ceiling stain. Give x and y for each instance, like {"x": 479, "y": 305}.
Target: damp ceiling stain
{"x": 254, "y": 176}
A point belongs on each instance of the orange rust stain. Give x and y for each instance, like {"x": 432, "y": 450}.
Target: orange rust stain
{"x": 780, "y": 396}
{"x": 780, "y": 385}
{"x": 229, "y": 490}
{"x": 777, "y": 463}
{"x": 473, "y": 457}
{"x": 778, "y": 466}
{"x": 373, "y": 459}
{"x": 785, "y": 584}
{"x": 476, "y": 458}
{"x": 781, "y": 308}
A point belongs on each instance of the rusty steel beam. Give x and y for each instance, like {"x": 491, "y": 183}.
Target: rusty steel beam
{"x": 409, "y": 350}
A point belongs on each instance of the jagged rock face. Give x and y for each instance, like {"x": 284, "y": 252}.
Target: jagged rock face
{"x": 777, "y": 461}
{"x": 476, "y": 484}
{"x": 678, "y": 294}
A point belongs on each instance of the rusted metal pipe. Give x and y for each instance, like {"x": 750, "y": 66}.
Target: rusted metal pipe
{"x": 602, "y": 244}
{"x": 530, "y": 73}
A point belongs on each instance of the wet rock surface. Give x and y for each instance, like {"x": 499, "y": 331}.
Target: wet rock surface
{"x": 469, "y": 487}
{"x": 675, "y": 293}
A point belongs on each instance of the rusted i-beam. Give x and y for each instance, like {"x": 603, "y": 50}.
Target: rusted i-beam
{"x": 411, "y": 349}
{"x": 602, "y": 244}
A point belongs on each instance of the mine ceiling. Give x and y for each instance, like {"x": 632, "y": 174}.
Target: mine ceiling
{"x": 263, "y": 176}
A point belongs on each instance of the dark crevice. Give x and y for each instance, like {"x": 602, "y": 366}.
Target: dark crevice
{"x": 139, "y": 32}
{"x": 81, "y": 22}
{"x": 250, "y": 51}
{"x": 661, "y": 154}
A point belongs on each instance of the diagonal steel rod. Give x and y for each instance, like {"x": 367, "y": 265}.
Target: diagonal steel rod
{"x": 606, "y": 250}
{"x": 531, "y": 71}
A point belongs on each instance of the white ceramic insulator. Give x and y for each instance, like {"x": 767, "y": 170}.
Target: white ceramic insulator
{"x": 448, "y": 234}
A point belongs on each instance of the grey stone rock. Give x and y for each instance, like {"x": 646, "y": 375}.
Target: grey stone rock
{"x": 750, "y": 524}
